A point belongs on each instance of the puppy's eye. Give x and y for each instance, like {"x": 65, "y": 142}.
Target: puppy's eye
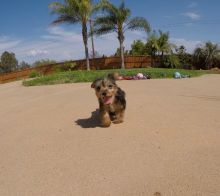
{"x": 98, "y": 88}
{"x": 110, "y": 86}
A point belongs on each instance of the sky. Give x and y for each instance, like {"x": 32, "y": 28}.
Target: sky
{"x": 26, "y": 31}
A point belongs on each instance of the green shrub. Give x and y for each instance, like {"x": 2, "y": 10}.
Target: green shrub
{"x": 69, "y": 66}
{"x": 34, "y": 74}
{"x": 172, "y": 61}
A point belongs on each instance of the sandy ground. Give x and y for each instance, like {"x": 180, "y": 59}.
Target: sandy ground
{"x": 51, "y": 143}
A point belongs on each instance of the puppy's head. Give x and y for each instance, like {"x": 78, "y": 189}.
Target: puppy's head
{"x": 105, "y": 89}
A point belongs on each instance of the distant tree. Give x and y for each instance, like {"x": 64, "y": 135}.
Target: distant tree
{"x": 8, "y": 62}
{"x": 206, "y": 55}
{"x": 185, "y": 58}
{"x": 118, "y": 52}
{"x": 1, "y": 70}
{"x": 138, "y": 48}
{"x": 152, "y": 46}
{"x": 75, "y": 12}
{"x": 171, "y": 61}
{"x": 158, "y": 45}
{"x": 43, "y": 62}
{"x": 118, "y": 20}
{"x": 23, "y": 65}
{"x": 94, "y": 53}
{"x": 212, "y": 52}
{"x": 164, "y": 46}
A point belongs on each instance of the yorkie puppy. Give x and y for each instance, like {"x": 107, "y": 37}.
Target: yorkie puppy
{"x": 111, "y": 99}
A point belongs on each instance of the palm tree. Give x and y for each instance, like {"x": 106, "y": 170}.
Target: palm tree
{"x": 198, "y": 57}
{"x": 206, "y": 54}
{"x": 211, "y": 52}
{"x": 118, "y": 20}
{"x": 163, "y": 43}
{"x": 158, "y": 45}
{"x": 75, "y": 12}
{"x": 152, "y": 45}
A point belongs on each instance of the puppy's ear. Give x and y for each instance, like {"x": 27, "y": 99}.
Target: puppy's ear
{"x": 111, "y": 76}
{"x": 94, "y": 83}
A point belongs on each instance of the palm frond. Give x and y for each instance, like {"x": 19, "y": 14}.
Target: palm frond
{"x": 138, "y": 23}
{"x": 56, "y": 8}
{"x": 110, "y": 20}
{"x": 65, "y": 19}
{"x": 108, "y": 8}
{"x": 104, "y": 29}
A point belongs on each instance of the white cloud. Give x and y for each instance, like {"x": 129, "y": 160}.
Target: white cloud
{"x": 36, "y": 52}
{"x": 190, "y": 45}
{"x": 57, "y": 44}
{"x": 58, "y": 33}
{"x": 7, "y": 44}
{"x": 192, "y": 15}
{"x": 60, "y": 44}
{"x": 193, "y": 4}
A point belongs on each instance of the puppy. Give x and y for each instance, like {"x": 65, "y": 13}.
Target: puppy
{"x": 111, "y": 100}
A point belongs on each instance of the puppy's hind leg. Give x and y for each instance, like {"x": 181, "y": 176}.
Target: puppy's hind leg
{"x": 119, "y": 117}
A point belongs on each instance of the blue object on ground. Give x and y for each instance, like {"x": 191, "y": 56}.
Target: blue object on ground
{"x": 177, "y": 75}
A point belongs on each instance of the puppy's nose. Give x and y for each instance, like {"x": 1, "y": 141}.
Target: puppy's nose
{"x": 104, "y": 94}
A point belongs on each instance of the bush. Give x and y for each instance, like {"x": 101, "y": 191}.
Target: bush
{"x": 172, "y": 61}
{"x": 34, "y": 74}
{"x": 69, "y": 66}
{"x": 43, "y": 62}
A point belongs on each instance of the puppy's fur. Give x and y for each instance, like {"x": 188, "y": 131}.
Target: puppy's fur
{"x": 111, "y": 99}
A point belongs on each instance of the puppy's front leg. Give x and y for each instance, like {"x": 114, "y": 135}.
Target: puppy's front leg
{"x": 119, "y": 117}
{"x": 105, "y": 119}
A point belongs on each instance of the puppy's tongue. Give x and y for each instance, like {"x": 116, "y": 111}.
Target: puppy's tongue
{"x": 108, "y": 100}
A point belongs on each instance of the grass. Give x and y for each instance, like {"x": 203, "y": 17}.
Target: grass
{"x": 88, "y": 76}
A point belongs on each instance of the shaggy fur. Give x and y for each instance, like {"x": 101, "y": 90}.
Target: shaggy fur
{"x": 111, "y": 99}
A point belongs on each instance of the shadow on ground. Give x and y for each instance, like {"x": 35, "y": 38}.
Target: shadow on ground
{"x": 91, "y": 122}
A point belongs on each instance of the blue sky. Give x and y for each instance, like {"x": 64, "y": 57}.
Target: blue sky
{"x": 26, "y": 31}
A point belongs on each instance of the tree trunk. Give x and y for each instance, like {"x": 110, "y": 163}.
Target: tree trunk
{"x": 121, "y": 40}
{"x": 85, "y": 40}
{"x": 91, "y": 31}
{"x": 122, "y": 55}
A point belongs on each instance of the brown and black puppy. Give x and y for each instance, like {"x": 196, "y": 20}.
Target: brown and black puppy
{"x": 111, "y": 99}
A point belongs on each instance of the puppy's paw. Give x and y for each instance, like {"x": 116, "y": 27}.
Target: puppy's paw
{"x": 117, "y": 121}
{"x": 106, "y": 124}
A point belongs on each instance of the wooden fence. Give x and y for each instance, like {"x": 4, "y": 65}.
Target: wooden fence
{"x": 95, "y": 64}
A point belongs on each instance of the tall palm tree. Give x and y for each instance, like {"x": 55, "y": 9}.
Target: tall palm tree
{"x": 206, "y": 54}
{"x": 152, "y": 46}
{"x": 75, "y": 12}
{"x": 211, "y": 52}
{"x": 118, "y": 20}
{"x": 163, "y": 43}
{"x": 159, "y": 44}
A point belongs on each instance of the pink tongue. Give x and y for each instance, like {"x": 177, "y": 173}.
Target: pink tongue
{"x": 107, "y": 100}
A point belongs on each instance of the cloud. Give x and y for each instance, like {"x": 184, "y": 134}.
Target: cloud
{"x": 193, "y": 4}
{"x": 60, "y": 44}
{"x": 35, "y": 52}
{"x": 192, "y": 15}
{"x": 190, "y": 45}
{"x": 7, "y": 44}
{"x": 56, "y": 43}
{"x": 60, "y": 34}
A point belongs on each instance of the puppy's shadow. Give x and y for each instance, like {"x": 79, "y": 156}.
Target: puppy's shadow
{"x": 91, "y": 122}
